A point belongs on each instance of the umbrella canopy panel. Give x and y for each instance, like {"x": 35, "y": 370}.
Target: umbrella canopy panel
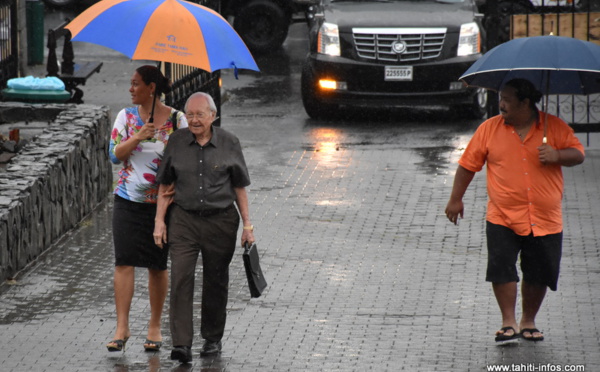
{"x": 554, "y": 64}
{"x": 174, "y": 31}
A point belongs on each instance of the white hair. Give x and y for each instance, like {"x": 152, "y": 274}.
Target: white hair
{"x": 209, "y": 99}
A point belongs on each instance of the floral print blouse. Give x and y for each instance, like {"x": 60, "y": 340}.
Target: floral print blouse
{"x": 137, "y": 178}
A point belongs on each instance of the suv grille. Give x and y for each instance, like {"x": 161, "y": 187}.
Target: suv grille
{"x": 377, "y": 43}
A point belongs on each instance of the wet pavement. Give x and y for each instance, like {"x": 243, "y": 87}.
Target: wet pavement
{"x": 364, "y": 270}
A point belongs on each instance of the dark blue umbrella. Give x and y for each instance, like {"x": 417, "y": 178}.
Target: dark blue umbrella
{"x": 554, "y": 64}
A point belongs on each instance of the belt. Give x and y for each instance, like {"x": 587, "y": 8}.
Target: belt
{"x": 209, "y": 212}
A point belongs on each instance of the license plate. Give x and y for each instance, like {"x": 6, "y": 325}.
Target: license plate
{"x": 398, "y": 73}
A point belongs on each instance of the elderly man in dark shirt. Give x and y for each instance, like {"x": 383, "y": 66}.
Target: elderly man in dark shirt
{"x": 209, "y": 173}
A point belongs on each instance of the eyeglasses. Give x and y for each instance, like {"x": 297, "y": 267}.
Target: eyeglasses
{"x": 199, "y": 116}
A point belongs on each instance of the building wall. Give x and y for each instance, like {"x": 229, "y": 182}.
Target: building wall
{"x": 55, "y": 180}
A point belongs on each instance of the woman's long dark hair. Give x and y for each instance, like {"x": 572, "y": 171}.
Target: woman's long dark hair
{"x": 151, "y": 74}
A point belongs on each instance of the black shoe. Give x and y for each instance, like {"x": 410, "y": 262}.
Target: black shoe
{"x": 182, "y": 353}
{"x": 210, "y": 348}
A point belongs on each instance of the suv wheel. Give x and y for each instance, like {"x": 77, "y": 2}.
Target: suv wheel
{"x": 262, "y": 24}
{"x": 477, "y": 109}
{"x": 312, "y": 105}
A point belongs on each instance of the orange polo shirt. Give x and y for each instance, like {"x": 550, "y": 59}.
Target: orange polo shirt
{"x": 524, "y": 195}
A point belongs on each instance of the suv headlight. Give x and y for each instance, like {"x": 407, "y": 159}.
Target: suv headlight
{"x": 469, "y": 41}
{"x": 328, "y": 41}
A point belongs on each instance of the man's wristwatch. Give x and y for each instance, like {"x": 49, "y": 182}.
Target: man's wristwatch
{"x": 250, "y": 227}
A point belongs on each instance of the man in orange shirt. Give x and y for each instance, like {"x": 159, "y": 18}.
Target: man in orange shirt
{"x": 524, "y": 213}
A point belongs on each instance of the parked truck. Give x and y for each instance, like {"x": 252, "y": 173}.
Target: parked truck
{"x": 263, "y": 24}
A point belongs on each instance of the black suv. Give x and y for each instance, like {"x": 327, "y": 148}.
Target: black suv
{"x": 392, "y": 53}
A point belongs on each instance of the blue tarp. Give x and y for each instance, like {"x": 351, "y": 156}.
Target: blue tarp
{"x": 35, "y": 83}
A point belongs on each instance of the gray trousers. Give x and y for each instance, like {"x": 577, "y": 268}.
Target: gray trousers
{"x": 213, "y": 237}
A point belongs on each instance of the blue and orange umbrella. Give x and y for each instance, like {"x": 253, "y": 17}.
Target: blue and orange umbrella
{"x": 173, "y": 31}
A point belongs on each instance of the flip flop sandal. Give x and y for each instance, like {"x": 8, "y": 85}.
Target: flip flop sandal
{"x": 503, "y": 338}
{"x": 150, "y": 345}
{"x": 531, "y": 331}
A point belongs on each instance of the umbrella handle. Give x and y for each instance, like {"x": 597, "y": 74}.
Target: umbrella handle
{"x": 545, "y": 139}
{"x": 151, "y": 120}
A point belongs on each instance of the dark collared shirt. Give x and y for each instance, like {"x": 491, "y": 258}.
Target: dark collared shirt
{"x": 204, "y": 176}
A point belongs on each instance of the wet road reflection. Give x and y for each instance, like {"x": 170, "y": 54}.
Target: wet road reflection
{"x": 435, "y": 159}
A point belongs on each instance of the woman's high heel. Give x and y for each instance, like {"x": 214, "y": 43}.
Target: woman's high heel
{"x": 117, "y": 345}
{"x": 150, "y": 345}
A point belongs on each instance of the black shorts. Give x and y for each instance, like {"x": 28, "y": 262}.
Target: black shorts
{"x": 540, "y": 256}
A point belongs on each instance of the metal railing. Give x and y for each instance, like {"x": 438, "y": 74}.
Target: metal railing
{"x": 187, "y": 80}
{"x": 513, "y": 19}
{"x": 9, "y": 61}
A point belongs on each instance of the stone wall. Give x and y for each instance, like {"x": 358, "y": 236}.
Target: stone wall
{"x": 54, "y": 182}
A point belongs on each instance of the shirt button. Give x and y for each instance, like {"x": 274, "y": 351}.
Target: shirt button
{"x": 200, "y": 161}
{"x": 200, "y": 187}
{"x": 200, "y": 174}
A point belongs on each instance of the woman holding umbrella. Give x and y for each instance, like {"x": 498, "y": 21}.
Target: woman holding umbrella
{"x": 138, "y": 139}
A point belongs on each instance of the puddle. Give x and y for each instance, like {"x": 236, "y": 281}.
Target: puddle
{"x": 435, "y": 159}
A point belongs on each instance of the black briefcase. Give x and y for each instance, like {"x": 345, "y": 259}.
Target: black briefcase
{"x": 256, "y": 279}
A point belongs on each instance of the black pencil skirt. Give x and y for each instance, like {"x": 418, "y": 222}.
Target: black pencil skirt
{"x": 133, "y": 225}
